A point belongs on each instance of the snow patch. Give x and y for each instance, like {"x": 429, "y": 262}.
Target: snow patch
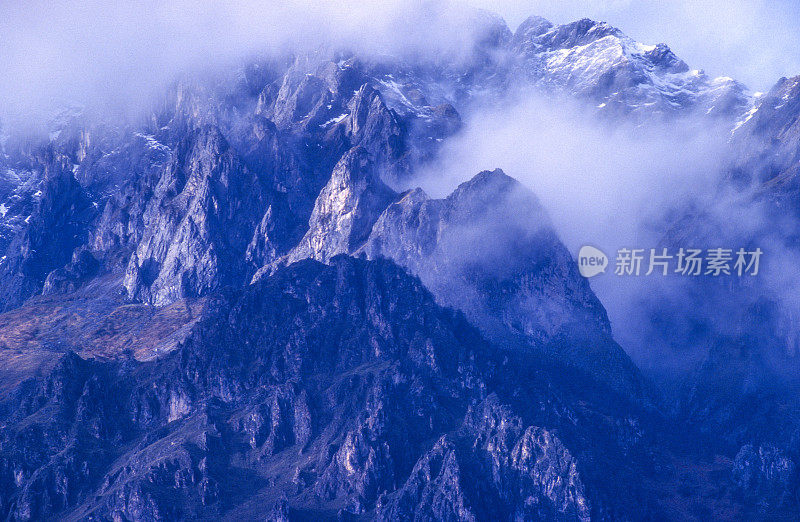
{"x": 335, "y": 120}
{"x": 643, "y": 48}
{"x": 395, "y": 89}
{"x": 747, "y": 117}
{"x": 152, "y": 142}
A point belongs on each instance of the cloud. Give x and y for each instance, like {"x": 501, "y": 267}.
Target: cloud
{"x": 600, "y": 181}
{"x": 616, "y": 185}
{"x": 95, "y": 51}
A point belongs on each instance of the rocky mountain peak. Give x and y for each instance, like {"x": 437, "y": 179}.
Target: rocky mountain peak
{"x": 597, "y": 61}
{"x": 662, "y": 57}
{"x": 492, "y": 31}
{"x": 776, "y": 111}
{"x": 483, "y": 192}
{"x": 376, "y": 128}
{"x": 578, "y": 33}
{"x": 766, "y": 141}
{"x": 345, "y": 210}
{"x": 489, "y": 250}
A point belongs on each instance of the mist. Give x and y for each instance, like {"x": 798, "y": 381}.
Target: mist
{"x": 121, "y": 55}
{"x": 599, "y": 180}
{"x": 629, "y": 184}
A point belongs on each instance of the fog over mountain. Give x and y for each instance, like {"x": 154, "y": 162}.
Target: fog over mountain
{"x": 124, "y": 53}
{"x": 317, "y": 260}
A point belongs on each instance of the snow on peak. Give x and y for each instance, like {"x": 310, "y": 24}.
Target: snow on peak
{"x": 598, "y": 60}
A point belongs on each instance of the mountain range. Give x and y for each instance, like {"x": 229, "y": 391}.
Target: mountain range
{"x": 238, "y": 307}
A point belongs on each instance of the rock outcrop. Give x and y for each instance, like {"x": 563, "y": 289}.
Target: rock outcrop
{"x": 56, "y": 228}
